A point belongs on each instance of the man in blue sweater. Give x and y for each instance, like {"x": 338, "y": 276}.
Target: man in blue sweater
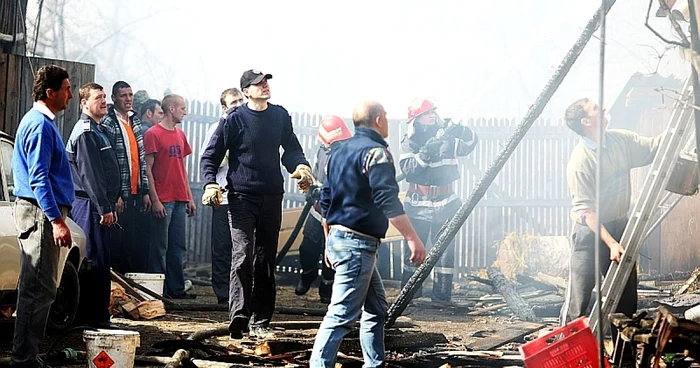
{"x": 252, "y": 134}
{"x": 44, "y": 191}
{"x": 358, "y": 199}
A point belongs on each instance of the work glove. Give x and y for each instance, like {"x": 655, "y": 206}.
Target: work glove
{"x": 447, "y": 148}
{"x": 304, "y": 176}
{"x": 212, "y": 195}
{"x": 430, "y": 151}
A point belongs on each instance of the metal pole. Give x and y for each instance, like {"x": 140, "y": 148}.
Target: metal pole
{"x": 598, "y": 183}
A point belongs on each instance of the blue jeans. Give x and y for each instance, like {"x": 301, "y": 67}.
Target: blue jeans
{"x": 357, "y": 288}
{"x": 168, "y": 247}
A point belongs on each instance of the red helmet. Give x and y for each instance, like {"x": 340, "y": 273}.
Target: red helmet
{"x": 419, "y": 106}
{"x": 333, "y": 129}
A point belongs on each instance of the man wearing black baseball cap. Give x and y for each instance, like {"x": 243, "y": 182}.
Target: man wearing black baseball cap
{"x": 252, "y": 134}
{"x": 252, "y": 77}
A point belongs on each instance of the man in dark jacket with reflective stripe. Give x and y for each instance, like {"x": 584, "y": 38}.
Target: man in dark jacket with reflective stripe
{"x": 331, "y": 132}
{"x": 95, "y": 174}
{"x": 429, "y": 154}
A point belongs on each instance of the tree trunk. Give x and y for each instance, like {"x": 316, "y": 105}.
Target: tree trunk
{"x": 516, "y": 303}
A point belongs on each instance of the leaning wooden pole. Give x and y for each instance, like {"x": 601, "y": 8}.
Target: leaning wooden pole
{"x": 449, "y": 230}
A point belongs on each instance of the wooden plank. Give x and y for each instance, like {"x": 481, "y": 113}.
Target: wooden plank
{"x": 504, "y": 336}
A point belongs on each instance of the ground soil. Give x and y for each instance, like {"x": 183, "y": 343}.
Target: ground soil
{"x": 459, "y": 329}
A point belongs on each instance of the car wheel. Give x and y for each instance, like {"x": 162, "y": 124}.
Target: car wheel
{"x": 65, "y": 307}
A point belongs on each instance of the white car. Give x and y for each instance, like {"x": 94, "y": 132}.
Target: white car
{"x": 65, "y": 307}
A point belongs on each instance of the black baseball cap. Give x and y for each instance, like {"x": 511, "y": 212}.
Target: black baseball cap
{"x": 253, "y": 76}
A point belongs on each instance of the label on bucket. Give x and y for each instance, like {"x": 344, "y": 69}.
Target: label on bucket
{"x": 103, "y": 360}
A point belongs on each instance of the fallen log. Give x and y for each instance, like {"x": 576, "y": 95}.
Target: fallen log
{"x": 558, "y": 282}
{"x": 674, "y": 276}
{"x": 690, "y": 284}
{"x": 515, "y": 302}
{"x": 176, "y": 360}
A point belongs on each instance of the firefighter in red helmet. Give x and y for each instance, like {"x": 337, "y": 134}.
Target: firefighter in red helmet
{"x": 331, "y": 132}
{"x": 429, "y": 153}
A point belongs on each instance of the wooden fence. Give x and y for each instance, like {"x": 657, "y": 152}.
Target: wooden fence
{"x": 16, "y": 80}
{"x": 529, "y": 196}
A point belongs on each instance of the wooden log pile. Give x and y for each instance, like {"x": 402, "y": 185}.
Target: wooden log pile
{"x": 126, "y": 301}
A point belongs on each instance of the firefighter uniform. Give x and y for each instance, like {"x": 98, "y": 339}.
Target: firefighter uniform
{"x": 96, "y": 180}
{"x": 331, "y": 131}
{"x": 429, "y": 161}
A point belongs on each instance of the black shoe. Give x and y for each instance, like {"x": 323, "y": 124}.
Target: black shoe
{"x": 236, "y": 327}
{"x": 305, "y": 281}
{"x": 223, "y": 302}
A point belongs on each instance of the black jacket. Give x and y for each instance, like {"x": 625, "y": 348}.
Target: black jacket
{"x": 94, "y": 166}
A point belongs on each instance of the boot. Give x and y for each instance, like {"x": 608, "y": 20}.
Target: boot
{"x": 442, "y": 288}
{"x": 325, "y": 290}
{"x": 305, "y": 281}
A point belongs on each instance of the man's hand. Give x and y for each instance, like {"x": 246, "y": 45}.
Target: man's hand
{"x": 417, "y": 251}
{"x": 158, "y": 209}
{"x": 616, "y": 251}
{"x": 61, "y": 233}
{"x": 212, "y": 195}
{"x": 146, "y": 203}
{"x": 120, "y": 205}
{"x": 108, "y": 219}
{"x": 191, "y": 209}
{"x": 305, "y": 177}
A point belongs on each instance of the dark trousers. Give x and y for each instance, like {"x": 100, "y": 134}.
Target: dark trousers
{"x": 444, "y": 269}
{"x": 311, "y": 253}
{"x": 582, "y": 272}
{"x": 255, "y": 224}
{"x": 37, "y": 280}
{"x": 95, "y": 283}
{"x": 220, "y": 253}
{"x": 130, "y": 251}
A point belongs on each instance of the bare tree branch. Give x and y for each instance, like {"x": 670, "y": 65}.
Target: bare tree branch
{"x": 686, "y": 44}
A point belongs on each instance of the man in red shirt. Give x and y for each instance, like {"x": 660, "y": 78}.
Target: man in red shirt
{"x": 166, "y": 148}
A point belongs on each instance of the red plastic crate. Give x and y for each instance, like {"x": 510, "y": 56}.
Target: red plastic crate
{"x": 578, "y": 348}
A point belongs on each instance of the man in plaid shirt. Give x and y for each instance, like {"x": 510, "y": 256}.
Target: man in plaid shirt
{"x": 124, "y": 130}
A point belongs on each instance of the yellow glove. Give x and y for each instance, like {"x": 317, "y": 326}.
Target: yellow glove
{"x": 212, "y": 195}
{"x": 305, "y": 177}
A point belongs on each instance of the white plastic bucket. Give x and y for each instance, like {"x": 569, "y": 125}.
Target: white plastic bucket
{"x": 111, "y": 348}
{"x": 151, "y": 281}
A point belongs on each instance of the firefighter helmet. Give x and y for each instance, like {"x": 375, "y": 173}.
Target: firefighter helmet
{"x": 333, "y": 129}
{"x": 419, "y": 106}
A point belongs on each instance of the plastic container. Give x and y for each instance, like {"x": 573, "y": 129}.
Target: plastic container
{"x": 151, "y": 281}
{"x": 111, "y": 348}
{"x": 577, "y": 348}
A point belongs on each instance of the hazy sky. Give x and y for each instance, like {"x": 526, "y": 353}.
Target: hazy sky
{"x": 475, "y": 58}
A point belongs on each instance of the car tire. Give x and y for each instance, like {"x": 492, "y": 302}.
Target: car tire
{"x": 65, "y": 306}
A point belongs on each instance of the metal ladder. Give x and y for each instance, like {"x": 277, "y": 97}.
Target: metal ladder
{"x": 654, "y": 196}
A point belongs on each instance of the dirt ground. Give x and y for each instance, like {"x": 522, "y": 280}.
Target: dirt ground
{"x": 462, "y": 332}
